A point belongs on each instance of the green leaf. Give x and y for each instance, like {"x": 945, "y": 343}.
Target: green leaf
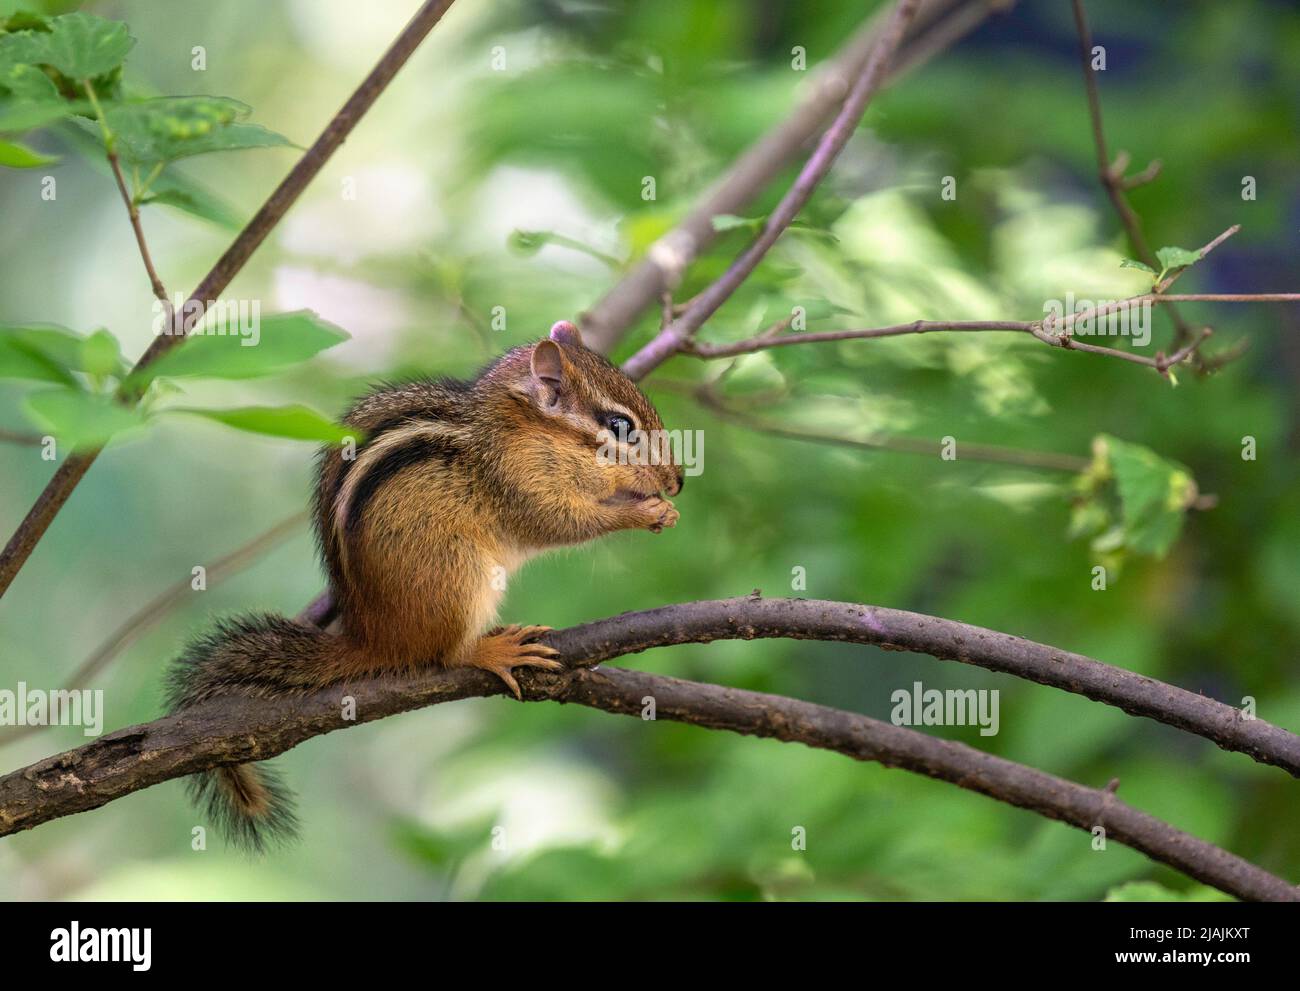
{"x": 729, "y": 222}
{"x": 190, "y": 197}
{"x": 18, "y": 156}
{"x": 25, "y": 14}
{"x": 531, "y": 242}
{"x": 440, "y": 848}
{"x": 101, "y": 355}
{"x": 1177, "y": 257}
{"x": 1133, "y": 263}
{"x": 81, "y": 419}
{"x": 29, "y": 98}
{"x": 1151, "y": 891}
{"x": 1154, "y": 494}
{"x": 20, "y": 115}
{"x": 812, "y": 230}
{"x": 80, "y": 46}
{"x": 527, "y": 242}
{"x": 27, "y": 82}
{"x": 172, "y": 127}
{"x": 266, "y": 347}
{"x": 171, "y": 188}
{"x": 296, "y": 422}
{"x": 19, "y": 361}
{"x": 47, "y": 354}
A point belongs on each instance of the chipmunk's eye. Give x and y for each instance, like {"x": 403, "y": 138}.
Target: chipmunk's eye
{"x": 617, "y": 424}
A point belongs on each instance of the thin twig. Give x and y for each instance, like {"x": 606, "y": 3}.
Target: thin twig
{"x": 1112, "y": 174}
{"x": 988, "y": 453}
{"x": 938, "y": 25}
{"x": 155, "y": 611}
{"x": 764, "y": 342}
{"x": 21, "y": 437}
{"x": 129, "y": 200}
{"x": 669, "y": 340}
{"x": 1055, "y": 333}
{"x": 239, "y": 728}
{"x": 70, "y": 473}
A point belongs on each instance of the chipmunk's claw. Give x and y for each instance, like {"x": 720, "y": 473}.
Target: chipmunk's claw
{"x": 506, "y": 648}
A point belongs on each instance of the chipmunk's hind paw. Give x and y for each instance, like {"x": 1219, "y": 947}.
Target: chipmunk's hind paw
{"x": 505, "y": 648}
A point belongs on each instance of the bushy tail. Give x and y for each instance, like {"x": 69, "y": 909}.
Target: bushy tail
{"x": 252, "y": 655}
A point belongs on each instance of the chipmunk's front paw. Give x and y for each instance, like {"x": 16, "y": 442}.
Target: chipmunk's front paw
{"x": 504, "y": 649}
{"x": 659, "y": 513}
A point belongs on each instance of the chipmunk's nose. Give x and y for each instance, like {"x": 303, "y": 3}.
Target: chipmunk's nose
{"x": 678, "y": 480}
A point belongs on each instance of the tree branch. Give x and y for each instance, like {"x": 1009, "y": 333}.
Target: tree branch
{"x": 669, "y": 340}
{"x": 238, "y": 729}
{"x": 938, "y": 24}
{"x": 128, "y": 199}
{"x": 70, "y": 473}
{"x": 153, "y": 613}
{"x": 989, "y": 453}
{"x": 21, "y": 437}
{"x": 1052, "y": 332}
{"x": 1112, "y": 175}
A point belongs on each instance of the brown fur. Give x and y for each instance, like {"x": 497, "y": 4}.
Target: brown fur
{"x": 453, "y": 487}
{"x": 414, "y": 576}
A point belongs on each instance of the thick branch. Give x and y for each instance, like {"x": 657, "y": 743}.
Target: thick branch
{"x": 893, "y": 629}
{"x": 238, "y": 729}
{"x": 70, "y": 473}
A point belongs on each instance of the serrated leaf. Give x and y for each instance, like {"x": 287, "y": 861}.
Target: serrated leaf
{"x": 171, "y": 188}
{"x": 173, "y": 127}
{"x": 78, "y": 45}
{"x": 281, "y": 341}
{"x": 81, "y": 419}
{"x": 295, "y": 422}
{"x": 1134, "y": 263}
{"x": 1171, "y": 257}
{"x": 25, "y": 14}
{"x": 18, "y": 156}
{"x": 27, "y": 82}
{"x": 1154, "y": 493}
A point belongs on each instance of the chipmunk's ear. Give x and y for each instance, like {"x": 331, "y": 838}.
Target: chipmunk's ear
{"x": 548, "y": 367}
{"x": 563, "y": 332}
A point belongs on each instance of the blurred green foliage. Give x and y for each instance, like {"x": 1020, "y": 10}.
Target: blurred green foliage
{"x": 521, "y": 187}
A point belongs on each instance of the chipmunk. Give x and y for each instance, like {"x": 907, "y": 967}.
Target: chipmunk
{"x": 456, "y": 485}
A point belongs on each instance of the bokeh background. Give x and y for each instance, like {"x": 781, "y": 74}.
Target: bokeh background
{"x": 454, "y": 160}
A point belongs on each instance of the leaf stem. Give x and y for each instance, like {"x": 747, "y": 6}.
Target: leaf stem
{"x": 132, "y": 209}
